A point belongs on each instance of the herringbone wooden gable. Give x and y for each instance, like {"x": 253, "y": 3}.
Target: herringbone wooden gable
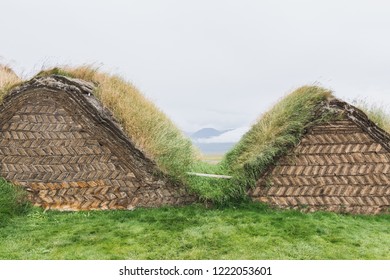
{"x": 60, "y": 143}
{"x": 342, "y": 166}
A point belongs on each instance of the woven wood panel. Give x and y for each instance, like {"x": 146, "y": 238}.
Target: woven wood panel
{"x": 336, "y": 167}
{"x": 56, "y": 144}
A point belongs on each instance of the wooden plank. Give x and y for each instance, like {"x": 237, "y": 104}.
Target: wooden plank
{"x": 209, "y": 175}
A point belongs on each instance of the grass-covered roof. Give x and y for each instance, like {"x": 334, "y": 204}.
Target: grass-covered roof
{"x": 280, "y": 127}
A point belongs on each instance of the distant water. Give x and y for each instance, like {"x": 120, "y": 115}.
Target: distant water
{"x": 214, "y": 148}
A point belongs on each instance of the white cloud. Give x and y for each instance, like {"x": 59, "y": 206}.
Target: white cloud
{"x": 231, "y": 136}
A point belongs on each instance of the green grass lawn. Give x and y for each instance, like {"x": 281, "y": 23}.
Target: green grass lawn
{"x": 249, "y": 231}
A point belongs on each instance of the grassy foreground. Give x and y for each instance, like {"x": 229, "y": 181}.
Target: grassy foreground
{"x": 235, "y": 231}
{"x": 250, "y": 231}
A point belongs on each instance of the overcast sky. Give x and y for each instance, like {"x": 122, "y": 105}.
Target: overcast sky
{"x": 209, "y": 63}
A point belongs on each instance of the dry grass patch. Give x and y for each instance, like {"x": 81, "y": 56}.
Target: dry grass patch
{"x": 375, "y": 113}
{"x": 8, "y": 79}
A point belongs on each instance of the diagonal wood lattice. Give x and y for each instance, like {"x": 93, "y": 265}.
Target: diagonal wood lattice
{"x": 341, "y": 166}
{"x": 58, "y": 141}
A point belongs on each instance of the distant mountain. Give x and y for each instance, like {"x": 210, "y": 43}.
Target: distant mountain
{"x": 207, "y": 133}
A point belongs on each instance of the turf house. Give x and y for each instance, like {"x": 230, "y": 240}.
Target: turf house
{"x": 67, "y": 150}
{"x": 340, "y": 162}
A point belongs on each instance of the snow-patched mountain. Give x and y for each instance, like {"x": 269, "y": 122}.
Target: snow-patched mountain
{"x": 213, "y": 141}
{"x": 206, "y": 133}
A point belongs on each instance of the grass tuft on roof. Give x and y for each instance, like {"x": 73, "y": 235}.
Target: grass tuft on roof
{"x": 377, "y": 114}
